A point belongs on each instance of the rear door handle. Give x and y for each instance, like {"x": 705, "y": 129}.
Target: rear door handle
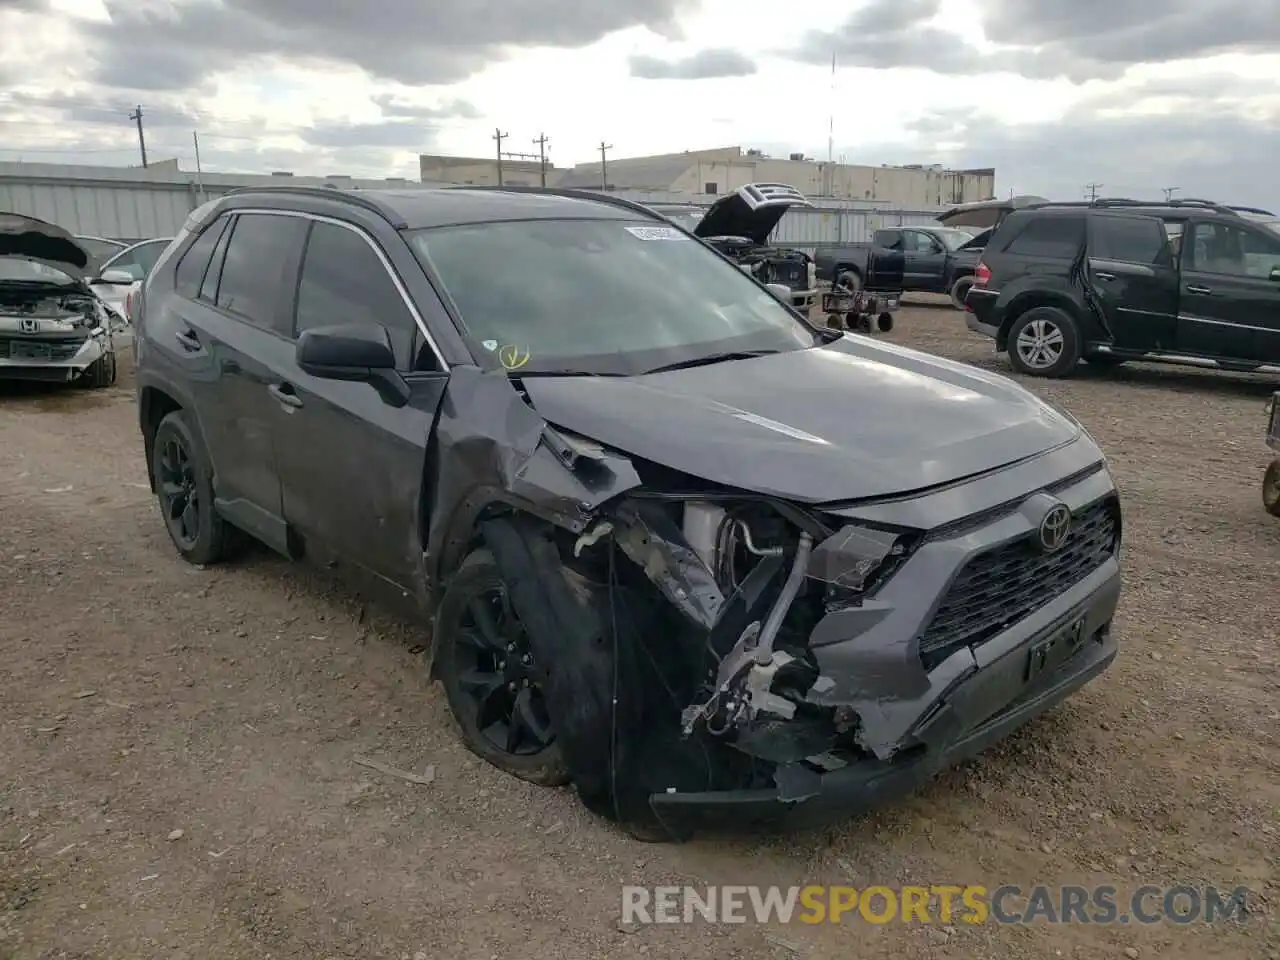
{"x": 285, "y": 395}
{"x": 187, "y": 340}
{"x": 1105, "y": 276}
{"x": 1198, "y": 289}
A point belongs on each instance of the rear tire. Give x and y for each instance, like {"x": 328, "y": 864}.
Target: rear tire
{"x": 101, "y": 373}
{"x": 958, "y": 291}
{"x": 1044, "y": 342}
{"x": 183, "y": 479}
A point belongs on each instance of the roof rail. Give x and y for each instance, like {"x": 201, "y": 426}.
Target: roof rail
{"x": 1257, "y": 210}
{"x": 329, "y": 192}
{"x": 570, "y": 193}
{"x": 1122, "y": 202}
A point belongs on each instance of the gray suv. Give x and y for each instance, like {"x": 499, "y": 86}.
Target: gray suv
{"x": 658, "y": 561}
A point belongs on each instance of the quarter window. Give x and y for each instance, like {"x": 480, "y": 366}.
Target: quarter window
{"x": 1049, "y": 236}
{"x": 195, "y": 262}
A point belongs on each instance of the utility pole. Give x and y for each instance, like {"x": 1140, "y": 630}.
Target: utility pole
{"x": 1091, "y": 191}
{"x": 195, "y": 138}
{"x": 142, "y": 140}
{"x": 1170, "y": 191}
{"x": 604, "y": 177}
{"x": 499, "y": 136}
{"x": 542, "y": 142}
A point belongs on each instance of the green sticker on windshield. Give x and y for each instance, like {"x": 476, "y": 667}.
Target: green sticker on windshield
{"x": 655, "y": 233}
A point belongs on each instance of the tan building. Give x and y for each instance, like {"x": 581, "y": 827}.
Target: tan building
{"x": 712, "y": 172}
{"x": 483, "y": 171}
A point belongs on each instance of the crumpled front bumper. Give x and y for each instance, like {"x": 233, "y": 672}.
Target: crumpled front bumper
{"x": 63, "y": 369}
{"x": 917, "y": 720}
{"x": 983, "y": 708}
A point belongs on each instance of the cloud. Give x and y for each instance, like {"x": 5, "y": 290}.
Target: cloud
{"x": 1208, "y": 146}
{"x": 403, "y": 40}
{"x": 403, "y": 134}
{"x": 1079, "y": 40}
{"x": 393, "y": 106}
{"x": 703, "y": 65}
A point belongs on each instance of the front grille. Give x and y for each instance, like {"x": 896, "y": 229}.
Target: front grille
{"x": 58, "y": 350}
{"x": 788, "y": 272}
{"x": 1007, "y": 583}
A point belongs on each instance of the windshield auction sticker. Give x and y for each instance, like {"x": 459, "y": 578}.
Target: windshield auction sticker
{"x": 655, "y": 233}
{"x": 513, "y": 357}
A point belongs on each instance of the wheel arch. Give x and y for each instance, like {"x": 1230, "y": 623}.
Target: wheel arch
{"x": 1029, "y": 300}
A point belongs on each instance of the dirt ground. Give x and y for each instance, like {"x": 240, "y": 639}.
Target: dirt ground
{"x": 140, "y": 697}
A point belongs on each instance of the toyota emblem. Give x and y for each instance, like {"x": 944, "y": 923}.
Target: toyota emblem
{"x": 28, "y": 326}
{"x": 1055, "y": 528}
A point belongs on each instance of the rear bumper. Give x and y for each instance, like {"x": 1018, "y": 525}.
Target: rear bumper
{"x": 998, "y": 694}
{"x": 977, "y": 326}
{"x": 979, "y": 305}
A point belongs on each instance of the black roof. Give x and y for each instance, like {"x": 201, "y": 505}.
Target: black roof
{"x": 445, "y": 206}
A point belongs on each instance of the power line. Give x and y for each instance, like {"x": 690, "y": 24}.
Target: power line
{"x": 542, "y": 142}
{"x": 499, "y": 136}
{"x": 604, "y": 176}
{"x": 1091, "y": 191}
{"x": 142, "y": 140}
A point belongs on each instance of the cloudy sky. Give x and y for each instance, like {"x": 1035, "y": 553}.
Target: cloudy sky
{"x": 1054, "y": 94}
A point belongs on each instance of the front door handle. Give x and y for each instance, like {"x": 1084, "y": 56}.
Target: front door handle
{"x": 188, "y": 341}
{"x": 1105, "y": 276}
{"x": 1194, "y": 288}
{"x": 285, "y": 395}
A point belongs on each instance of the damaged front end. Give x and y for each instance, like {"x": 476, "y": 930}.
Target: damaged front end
{"x": 724, "y": 658}
{"x": 678, "y": 626}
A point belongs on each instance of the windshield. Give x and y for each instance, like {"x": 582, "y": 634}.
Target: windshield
{"x": 689, "y": 218}
{"x": 954, "y": 239}
{"x": 30, "y": 271}
{"x": 601, "y": 296}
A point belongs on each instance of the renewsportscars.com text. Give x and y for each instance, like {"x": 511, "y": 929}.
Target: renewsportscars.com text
{"x": 939, "y": 903}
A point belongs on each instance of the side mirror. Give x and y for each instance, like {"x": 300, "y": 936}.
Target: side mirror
{"x": 781, "y": 291}
{"x": 355, "y": 352}
{"x": 117, "y": 278}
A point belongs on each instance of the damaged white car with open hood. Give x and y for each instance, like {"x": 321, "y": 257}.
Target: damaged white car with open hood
{"x": 53, "y": 327}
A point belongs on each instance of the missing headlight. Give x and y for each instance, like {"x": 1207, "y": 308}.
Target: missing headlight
{"x": 856, "y": 559}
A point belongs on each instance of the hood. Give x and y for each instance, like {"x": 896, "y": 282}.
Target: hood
{"x": 45, "y": 243}
{"x": 752, "y": 212}
{"x": 851, "y": 420}
{"x": 985, "y": 213}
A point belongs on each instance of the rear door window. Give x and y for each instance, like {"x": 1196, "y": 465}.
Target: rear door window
{"x": 1049, "y": 236}
{"x": 1130, "y": 240}
{"x": 260, "y": 251}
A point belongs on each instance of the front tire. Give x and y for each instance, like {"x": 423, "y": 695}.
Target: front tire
{"x": 101, "y": 373}
{"x": 959, "y": 290}
{"x": 1044, "y": 342}
{"x": 1271, "y": 488}
{"x": 849, "y": 280}
{"x": 493, "y": 685}
{"x": 183, "y": 479}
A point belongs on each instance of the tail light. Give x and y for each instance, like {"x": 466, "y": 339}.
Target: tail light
{"x": 981, "y": 275}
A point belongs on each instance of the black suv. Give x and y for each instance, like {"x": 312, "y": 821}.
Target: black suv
{"x": 658, "y": 560}
{"x": 1185, "y": 281}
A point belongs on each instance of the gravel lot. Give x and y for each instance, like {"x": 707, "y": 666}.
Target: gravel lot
{"x": 140, "y": 697}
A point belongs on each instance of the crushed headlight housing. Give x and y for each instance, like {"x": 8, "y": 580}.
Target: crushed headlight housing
{"x": 856, "y": 559}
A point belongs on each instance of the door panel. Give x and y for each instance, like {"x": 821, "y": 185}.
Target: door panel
{"x": 1133, "y": 280}
{"x": 352, "y": 465}
{"x": 1230, "y": 307}
{"x": 240, "y": 331}
{"x": 926, "y": 261}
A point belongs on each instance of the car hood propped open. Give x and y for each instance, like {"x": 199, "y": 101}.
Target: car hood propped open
{"x": 852, "y": 420}
{"x": 752, "y": 211}
{"x": 45, "y": 243}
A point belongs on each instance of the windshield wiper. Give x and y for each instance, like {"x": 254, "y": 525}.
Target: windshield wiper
{"x": 563, "y": 373}
{"x": 711, "y": 358}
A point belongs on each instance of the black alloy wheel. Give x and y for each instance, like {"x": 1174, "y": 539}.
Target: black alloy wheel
{"x": 179, "y": 496}
{"x": 493, "y": 682}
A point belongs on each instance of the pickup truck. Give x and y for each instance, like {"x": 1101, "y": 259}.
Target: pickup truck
{"x": 914, "y": 259}
{"x": 1182, "y": 281}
